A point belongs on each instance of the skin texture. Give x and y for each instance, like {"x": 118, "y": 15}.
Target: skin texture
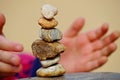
{"x": 9, "y": 60}
{"x": 87, "y": 51}
{"x": 84, "y": 51}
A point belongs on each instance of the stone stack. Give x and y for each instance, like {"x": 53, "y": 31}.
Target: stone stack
{"x": 48, "y": 48}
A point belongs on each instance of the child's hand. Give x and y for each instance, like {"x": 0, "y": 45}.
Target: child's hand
{"x": 87, "y": 51}
{"x": 9, "y": 60}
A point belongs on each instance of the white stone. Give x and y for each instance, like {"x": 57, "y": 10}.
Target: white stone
{"x": 48, "y": 11}
{"x": 46, "y": 63}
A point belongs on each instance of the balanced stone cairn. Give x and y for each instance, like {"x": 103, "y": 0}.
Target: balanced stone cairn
{"x": 48, "y": 48}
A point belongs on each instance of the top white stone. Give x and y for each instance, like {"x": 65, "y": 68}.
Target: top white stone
{"x": 48, "y": 11}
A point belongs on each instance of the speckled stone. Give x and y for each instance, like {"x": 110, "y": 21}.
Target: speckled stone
{"x": 44, "y": 50}
{"x": 50, "y": 35}
{"x": 47, "y": 23}
{"x": 48, "y": 11}
{"x": 49, "y": 62}
{"x": 55, "y": 70}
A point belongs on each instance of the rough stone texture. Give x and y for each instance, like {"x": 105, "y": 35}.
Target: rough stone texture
{"x": 48, "y": 11}
{"x": 82, "y": 76}
{"x": 47, "y": 24}
{"x": 49, "y": 62}
{"x": 55, "y": 70}
{"x": 44, "y": 50}
{"x": 50, "y": 35}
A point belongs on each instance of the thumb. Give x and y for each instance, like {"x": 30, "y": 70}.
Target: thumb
{"x": 2, "y": 22}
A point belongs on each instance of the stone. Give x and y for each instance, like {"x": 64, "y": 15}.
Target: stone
{"x": 44, "y": 50}
{"x": 48, "y": 11}
{"x": 49, "y": 62}
{"x": 81, "y": 76}
{"x": 47, "y": 24}
{"x": 55, "y": 70}
{"x": 50, "y": 35}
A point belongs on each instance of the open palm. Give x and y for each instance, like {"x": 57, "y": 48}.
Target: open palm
{"x": 87, "y": 51}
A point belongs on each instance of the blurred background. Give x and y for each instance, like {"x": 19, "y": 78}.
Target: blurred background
{"x": 22, "y": 20}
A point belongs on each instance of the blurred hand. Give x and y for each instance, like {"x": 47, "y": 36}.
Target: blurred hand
{"x": 9, "y": 60}
{"x": 87, "y": 51}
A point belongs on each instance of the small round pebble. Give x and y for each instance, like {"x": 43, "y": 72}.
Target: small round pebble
{"x": 48, "y": 11}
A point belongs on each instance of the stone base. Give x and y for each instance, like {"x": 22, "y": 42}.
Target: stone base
{"x": 82, "y": 76}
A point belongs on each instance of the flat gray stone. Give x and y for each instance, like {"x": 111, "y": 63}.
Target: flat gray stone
{"x": 82, "y": 76}
{"x": 50, "y": 35}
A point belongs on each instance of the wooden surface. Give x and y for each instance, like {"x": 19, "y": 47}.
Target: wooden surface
{"x": 82, "y": 76}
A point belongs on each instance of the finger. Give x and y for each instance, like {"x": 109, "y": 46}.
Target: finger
{"x": 103, "y": 52}
{"x": 95, "y": 55}
{"x": 100, "y": 44}
{"x": 6, "y": 44}
{"x": 98, "y": 33}
{"x": 109, "y": 49}
{"x": 111, "y": 38}
{"x": 106, "y": 51}
{"x": 10, "y": 58}
{"x": 2, "y": 21}
{"x": 96, "y": 63}
{"x": 9, "y": 68}
{"x": 75, "y": 28}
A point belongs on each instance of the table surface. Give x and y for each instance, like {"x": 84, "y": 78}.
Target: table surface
{"x": 82, "y": 76}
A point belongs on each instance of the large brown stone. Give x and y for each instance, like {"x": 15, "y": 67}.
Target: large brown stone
{"x": 44, "y": 50}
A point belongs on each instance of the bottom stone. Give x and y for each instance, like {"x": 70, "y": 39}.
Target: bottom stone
{"x": 55, "y": 70}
